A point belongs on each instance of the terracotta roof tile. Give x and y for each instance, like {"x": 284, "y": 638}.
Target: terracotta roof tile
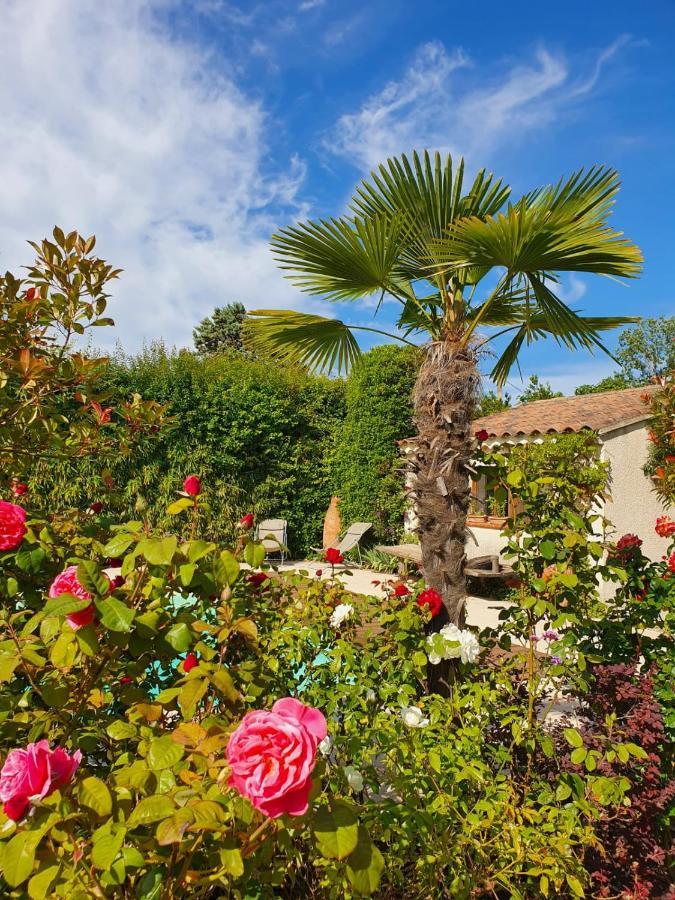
{"x": 599, "y": 412}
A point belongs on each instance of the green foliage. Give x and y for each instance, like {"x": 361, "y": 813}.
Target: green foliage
{"x": 221, "y": 331}
{"x": 616, "y": 382}
{"x": 260, "y": 436}
{"x": 537, "y": 390}
{"x": 490, "y": 403}
{"x": 368, "y": 465}
{"x": 661, "y": 463}
{"x": 647, "y": 350}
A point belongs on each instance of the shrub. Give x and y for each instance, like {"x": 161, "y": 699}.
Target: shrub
{"x": 369, "y": 475}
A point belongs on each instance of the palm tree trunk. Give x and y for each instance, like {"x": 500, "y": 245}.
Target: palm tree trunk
{"x": 438, "y": 457}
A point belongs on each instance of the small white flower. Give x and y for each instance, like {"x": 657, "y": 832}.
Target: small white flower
{"x": 354, "y": 778}
{"x": 326, "y": 745}
{"x": 413, "y": 717}
{"x": 371, "y": 696}
{"x": 341, "y": 612}
{"x": 454, "y": 643}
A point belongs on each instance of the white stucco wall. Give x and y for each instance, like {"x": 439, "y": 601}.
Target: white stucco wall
{"x": 484, "y": 542}
{"x": 633, "y": 507}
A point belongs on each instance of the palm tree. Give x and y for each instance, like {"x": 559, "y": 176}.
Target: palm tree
{"x": 456, "y": 260}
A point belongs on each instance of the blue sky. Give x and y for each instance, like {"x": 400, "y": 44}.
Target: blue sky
{"x": 184, "y": 133}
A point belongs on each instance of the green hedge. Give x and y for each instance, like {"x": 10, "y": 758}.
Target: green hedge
{"x": 260, "y": 436}
{"x": 368, "y": 467}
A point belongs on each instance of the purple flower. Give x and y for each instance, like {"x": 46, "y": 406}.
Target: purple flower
{"x": 556, "y": 660}
{"x": 551, "y": 635}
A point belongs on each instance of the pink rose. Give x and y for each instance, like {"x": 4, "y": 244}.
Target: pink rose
{"x": 34, "y": 773}
{"x": 192, "y": 486}
{"x": 12, "y": 525}
{"x": 67, "y": 583}
{"x": 272, "y": 755}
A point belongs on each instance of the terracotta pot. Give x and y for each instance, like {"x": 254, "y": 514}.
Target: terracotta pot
{"x": 332, "y": 524}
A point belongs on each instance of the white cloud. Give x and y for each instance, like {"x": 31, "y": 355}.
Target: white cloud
{"x": 112, "y": 127}
{"x": 434, "y": 105}
{"x": 307, "y": 5}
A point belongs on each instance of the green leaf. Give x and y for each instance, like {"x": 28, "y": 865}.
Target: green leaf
{"x": 64, "y": 651}
{"x": 636, "y": 751}
{"x": 92, "y": 579}
{"x": 179, "y": 505}
{"x": 575, "y": 885}
{"x": 115, "y": 615}
{"x": 191, "y": 694}
{"x": 164, "y": 753}
{"x": 118, "y": 544}
{"x": 547, "y": 549}
{"x": 151, "y": 809}
{"x": 179, "y": 637}
{"x": 18, "y": 857}
{"x": 562, "y": 792}
{"x": 365, "y": 865}
{"x": 254, "y": 554}
{"x": 7, "y": 666}
{"x": 226, "y": 567}
{"x": 222, "y": 679}
{"x": 39, "y": 885}
{"x": 231, "y": 858}
{"x": 106, "y": 847}
{"x": 172, "y": 830}
{"x": 578, "y": 755}
{"x": 159, "y": 552}
{"x": 120, "y": 730}
{"x": 515, "y": 477}
{"x": 63, "y": 605}
{"x": 187, "y": 573}
{"x": 87, "y": 640}
{"x": 94, "y": 793}
{"x": 573, "y": 737}
{"x": 336, "y": 830}
{"x": 196, "y": 550}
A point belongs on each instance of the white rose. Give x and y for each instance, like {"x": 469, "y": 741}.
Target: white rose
{"x": 354, "y": 778}
{"x": 326, "y": 745}
{"x": 469, "y": 646}
{"x": 341, "y": 612}
{"x": 413, "y": 717}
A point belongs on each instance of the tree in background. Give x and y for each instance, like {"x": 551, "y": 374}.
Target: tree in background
{"x": 368, "y": 465}
{"x": 616, "y": 382}
{"x": 490, "y": 402}
{"x": 537, "y": 390}
{"x": 648, "y": 350}
{"x": 221, "y": 330}
{"x": 416, "y": 234}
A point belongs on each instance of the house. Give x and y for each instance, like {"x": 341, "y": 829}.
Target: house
{"x": 620, "y": 420}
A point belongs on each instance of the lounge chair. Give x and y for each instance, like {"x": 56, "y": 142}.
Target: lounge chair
{"x": 272, "y": 535}
{"x": 350, "y": 539}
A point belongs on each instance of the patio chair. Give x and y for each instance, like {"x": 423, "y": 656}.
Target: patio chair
{"x": 350, "y": 539}
{"x": 272, "y": 535}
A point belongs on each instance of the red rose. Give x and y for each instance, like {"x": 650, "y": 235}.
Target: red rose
{"x": 482, "y": 435}
{"x": 117, "y": 581}
{"x": 333, "y": 556}
{"x": 12, "y": 525}
{"x": 626, "y": 544}
{"x": 257, "y": 578}
{"x": 401, "y": 590}
{"x": 19, "y": 488}
{"x": 246, "y": 521}
{"x": 125, "y": 679}
{"x": 319, "y": 573}
{"x": 67, "y": 583}
{"x": 432, "y": 599}
{"x": 192, "y": 486}
{"x": 190, "y": 662}
{"x": 671, "y": 561}
{"x": 96, "y": 507}
{"x": 665, "y": 526}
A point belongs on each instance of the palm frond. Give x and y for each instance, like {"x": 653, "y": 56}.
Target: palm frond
{"x": 342, "y": 259}
{"x": 315, "y": 342}
{"x": 562, "y": 228}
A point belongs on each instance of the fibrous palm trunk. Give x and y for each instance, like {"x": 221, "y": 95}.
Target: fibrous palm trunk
{"x": 438, "y": 460}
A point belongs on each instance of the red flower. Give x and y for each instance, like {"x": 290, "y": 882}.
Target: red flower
{"x": 401, "y": 590}
{"x": 246, "y": 521}
{"x": 117, "y": 581}
{"x": 671, "y": 561}
{"x": 629, "y": 542}
{"x": 192, "y": 486}
{"x": 125, "y": 679}
{"x": 19, "y": 488}
{"x": 333, "y": 556}
{"x": 96, "y": 507}
{"x": 482, "y": 435}
{"x": 32, "y": 294}
{"x": 190, "y": 662}
{"x": 12, "y": 525}
{"x": 67, "y": 583}
{"x": 432, "y": 599}
{"x": 665, "y": 526}
{"x": 257, "y": 579}
{"x": 319, "y": 573}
